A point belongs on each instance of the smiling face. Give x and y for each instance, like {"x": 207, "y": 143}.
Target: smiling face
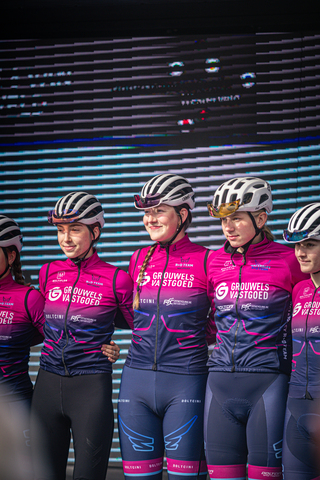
{"x": 75, "y": 239}
{"x": 162, "y": 223}
{"x": 238, "y": 228}
{"x": 308, "y": 255}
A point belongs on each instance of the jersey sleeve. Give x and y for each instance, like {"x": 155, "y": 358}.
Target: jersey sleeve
{"x": 35, "y": 306}
{"x": 124, "y": 290}
{"x": 132, "y": 264}
{"x": 211, "y": 329}
{"x": 42, "y": 278}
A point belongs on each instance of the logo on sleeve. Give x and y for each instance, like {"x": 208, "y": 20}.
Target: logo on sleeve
{"x": 54, "y": 294}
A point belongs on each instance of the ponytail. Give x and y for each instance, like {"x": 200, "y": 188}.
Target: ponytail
{"x": 136, "y": 300}
{"x": 16, "y": 266}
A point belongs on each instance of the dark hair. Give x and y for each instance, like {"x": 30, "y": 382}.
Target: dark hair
{"x": 16, "y": 265}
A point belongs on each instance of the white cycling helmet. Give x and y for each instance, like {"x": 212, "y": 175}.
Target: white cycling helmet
{"x": 245, "y": 194}
{"x": 77, "y": 207}
{"x": 304, "y": 224}
{"x": 166, "y": 188}
{"x": 10, "y": 234}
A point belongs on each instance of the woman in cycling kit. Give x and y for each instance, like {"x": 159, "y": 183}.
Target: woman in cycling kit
{"x": 21, "y": 325}
{"x": 302, "y": 423}
{"x": 251, "y": 280}
{"x": 84, "y": 298}
{"x": 163, "y": 382}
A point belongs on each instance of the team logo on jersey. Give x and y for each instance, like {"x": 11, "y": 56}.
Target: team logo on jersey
{"x": 184, "y": 262}
{"x": 261, "y": 266}
{"x": 228, "y": 265}
{"x": 61, "y": 274}
{"x": 222, "y": 291}
{"x": 225, "y": 308}
{"x": 6, "y": 301}
{"x": 145, "y": 279}
{"x": 95, "y": 281}
{"x": 315, "y": 329}
{"x": 60, "y": 277}
{"x": 296, "y": 309}
{"x": 55, "y": 293}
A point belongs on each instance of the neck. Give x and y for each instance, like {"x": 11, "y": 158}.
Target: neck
{"x": 257, "y": 239}
{"x": 178, "y": 237}
{"x": 315, "y": 277}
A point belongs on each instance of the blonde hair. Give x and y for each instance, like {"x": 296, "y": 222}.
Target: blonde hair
{"x": 136, "y": 300}
{"x": 265, "y": 229}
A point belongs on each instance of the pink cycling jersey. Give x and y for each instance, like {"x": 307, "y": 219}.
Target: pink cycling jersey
{"x": 305, "y": 376}
{"x": 81, "y": 305}
{"x": 21, "y": 325}
{"x": 170, "y": 324}
{"x": 252, "y": 300}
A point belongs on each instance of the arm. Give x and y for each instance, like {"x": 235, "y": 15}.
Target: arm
{"x": 124, "y": 291}
{"x": 34, "y": 307}
{"x": 124, "y": 314}
{"x": 211, "y": 329}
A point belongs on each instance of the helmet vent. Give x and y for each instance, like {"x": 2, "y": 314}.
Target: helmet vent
{"x": 247, "y": 198}
{"x": 239, "y": 185}
{"x": 258, "y": 185}
{"x": 263, "y": 198}
{"x": 224, "y": 196}
{"x": 233, "y": 197}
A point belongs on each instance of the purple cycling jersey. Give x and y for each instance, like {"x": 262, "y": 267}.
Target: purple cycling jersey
{"x": 252, "y": 299}
{"x": 170, "y": 324}
{"x": 81, "y": 305}
{"x": 21, "y": 325}
{"x": 305, "y": 376}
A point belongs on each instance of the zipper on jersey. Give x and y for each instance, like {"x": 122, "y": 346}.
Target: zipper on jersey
{"x": 65, "y": 324}
{"x": 239, "y": 320}
{"x": 307, "y": 395}
{"x": 154, "y": 366}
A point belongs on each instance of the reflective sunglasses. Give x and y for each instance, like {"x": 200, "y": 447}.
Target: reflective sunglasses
{"x": 148, "y": 201}
{"x": 224, "y": 209}
{"x": 298, "y": 236}
{"x": 68, "y": 216}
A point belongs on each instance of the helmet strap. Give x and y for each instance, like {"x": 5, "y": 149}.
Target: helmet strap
{"x": 167, "y": 244}
{"x": 244, "y": 248}
{"x": 78, "y": 260}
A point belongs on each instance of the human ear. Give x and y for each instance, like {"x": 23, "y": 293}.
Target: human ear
{"x": 261, "y": 219}
{"x": 96, "y": 233}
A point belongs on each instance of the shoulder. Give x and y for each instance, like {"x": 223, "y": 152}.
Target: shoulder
{"x": 301, "y": 286}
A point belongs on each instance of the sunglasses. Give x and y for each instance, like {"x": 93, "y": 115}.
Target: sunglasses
{"x": 298, "y": 236}
{"x": 148, "y": 201}
{"x": 224, "y": 209}
{"x": 68, "y": 216}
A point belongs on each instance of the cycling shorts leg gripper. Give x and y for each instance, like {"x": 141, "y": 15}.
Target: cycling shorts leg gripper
{"x": 229, "y": 472}
{"x": 261, "y": 473}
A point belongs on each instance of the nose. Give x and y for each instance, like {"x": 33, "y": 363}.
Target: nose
{"x": 150, "y": 216}
{"x": 228, "y": 225}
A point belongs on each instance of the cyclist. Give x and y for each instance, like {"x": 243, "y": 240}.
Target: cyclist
{"x": 163, "y": 382}
{"x": 302, "y": 421}
{"x": 84, "y": 297}
{"x": 21, "y": 325}
{"x": 251, "y": 280}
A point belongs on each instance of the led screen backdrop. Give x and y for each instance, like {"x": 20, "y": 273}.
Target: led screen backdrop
{"x": 103, "y": 116}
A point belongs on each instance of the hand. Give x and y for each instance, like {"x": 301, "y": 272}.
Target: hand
{"x": 111, "y": 351}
